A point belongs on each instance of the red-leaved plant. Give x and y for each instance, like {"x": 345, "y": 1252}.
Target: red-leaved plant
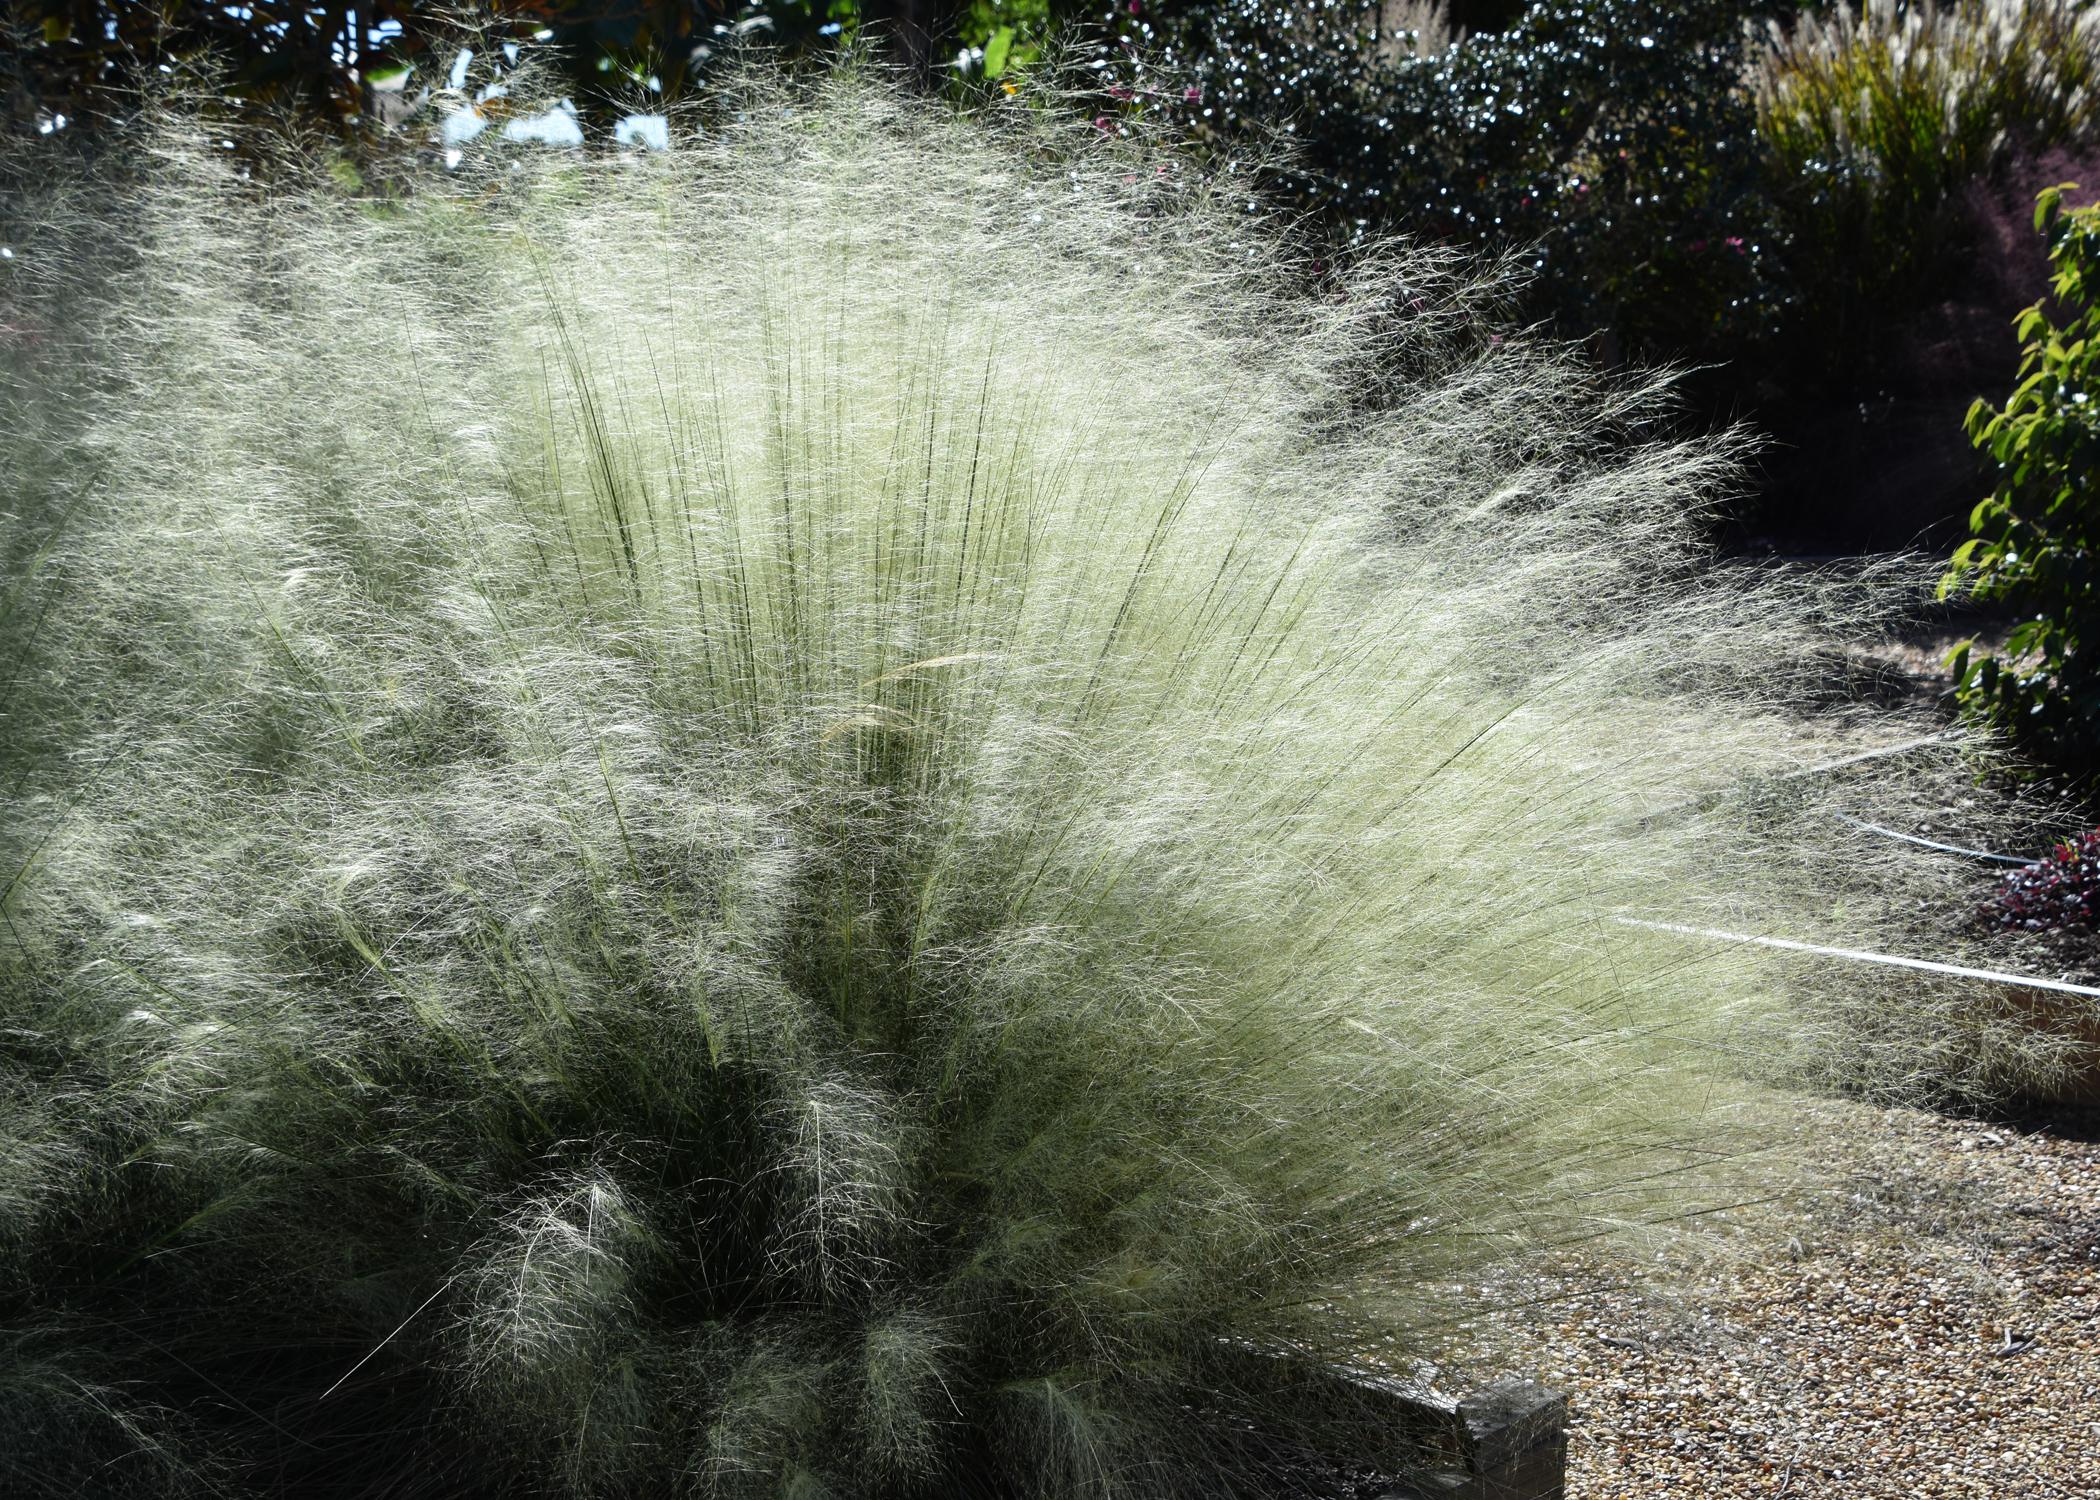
{"x": 2061, "y": 889}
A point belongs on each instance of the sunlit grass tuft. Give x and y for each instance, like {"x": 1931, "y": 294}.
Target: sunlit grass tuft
{"x": 851, "y": 811}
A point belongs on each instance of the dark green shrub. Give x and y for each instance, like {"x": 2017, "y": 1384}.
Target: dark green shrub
{"x": 339, "y": 66}
{"x": 1610, "y": 138}
{"x": 2036, "y": 540}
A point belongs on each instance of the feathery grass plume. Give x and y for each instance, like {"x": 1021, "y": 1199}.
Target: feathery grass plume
{"x": 1414, "y": 28}
{"x": 852, "y": 810}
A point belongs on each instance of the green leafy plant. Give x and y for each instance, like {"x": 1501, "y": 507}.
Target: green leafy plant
{"x": 853, "y": 809}
{"x": 2036, "y": 540}
{"x": 339, "y": 66}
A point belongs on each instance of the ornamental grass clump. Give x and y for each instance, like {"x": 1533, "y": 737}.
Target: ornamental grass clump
{"x": 852, "y": 810}
{"x": 1920, "y": 94}
{"x": 1875, "y": 117}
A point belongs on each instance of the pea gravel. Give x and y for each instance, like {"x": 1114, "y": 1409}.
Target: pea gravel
{"x": 1921, "y": 1321}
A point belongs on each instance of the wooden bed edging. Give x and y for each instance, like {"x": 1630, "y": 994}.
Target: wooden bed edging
{"x": 1508, "y": 1442}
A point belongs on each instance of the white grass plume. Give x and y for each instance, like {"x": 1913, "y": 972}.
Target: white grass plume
{"x": 1955, "y": 84}
{"x": 837, "y": 812}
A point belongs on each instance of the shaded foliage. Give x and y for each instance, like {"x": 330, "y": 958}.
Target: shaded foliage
{"x": 2036, "y": 541}
{"x": 1875, "y": 120}
{"x": 336, "y": 63}
{"x": 1611, "y": 137}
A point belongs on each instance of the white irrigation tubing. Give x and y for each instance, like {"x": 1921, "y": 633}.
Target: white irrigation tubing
{"x": 1840, "y": 764}
{"x": 1865, "y": 755}
{"x": 1933, "y": 844}
{"x": 1990, "y": 976}
{"x": 1709, "y": 798}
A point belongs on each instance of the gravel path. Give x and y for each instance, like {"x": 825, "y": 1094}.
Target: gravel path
{"x": 1919, "y": 1316}
{"x": 1924, "y": 1323}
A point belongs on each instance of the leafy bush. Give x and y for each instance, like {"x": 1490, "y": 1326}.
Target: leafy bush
{"x": 664, "y": 841}
{"x": 1610, "y": 138}
{"x": 77, "y": 63}
{"x": 2062, "y": 889}
{"x": 2036, "y": 540}
{"x": 1875, "y": 117}
{"x": 1741, "y": 180}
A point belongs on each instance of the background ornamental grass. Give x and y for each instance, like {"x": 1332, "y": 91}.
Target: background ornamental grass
{"x": 1876, "y": 119}
{"x": 851, "y": 811}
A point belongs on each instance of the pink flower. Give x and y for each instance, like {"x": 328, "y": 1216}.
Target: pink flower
{"x": 1735, "y": 243}
{"x": 1193, "y": 94}
{"x": 1133, "y": 7}
{"x": 1121, "y": 91}
{"x": 1104, "y": 124}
